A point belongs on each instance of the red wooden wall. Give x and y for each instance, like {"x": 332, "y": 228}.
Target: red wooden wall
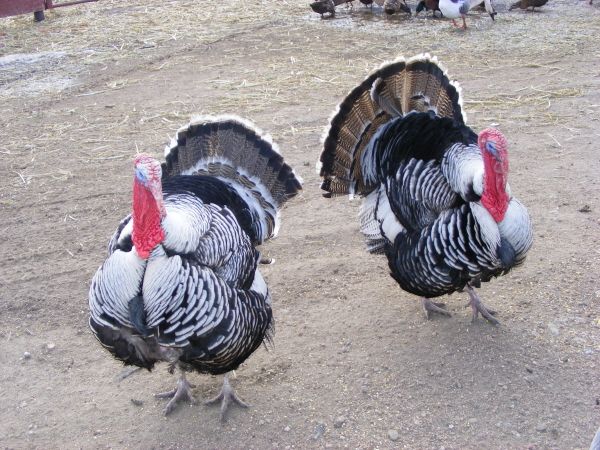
{"x": 14, "y": 7}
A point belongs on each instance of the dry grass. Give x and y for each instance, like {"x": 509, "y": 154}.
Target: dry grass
{"x": 91, "y": 37}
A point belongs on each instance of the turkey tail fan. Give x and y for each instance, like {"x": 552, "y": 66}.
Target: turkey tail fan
{"x": 235, "y": 151}
{"x": 396, "y": 88}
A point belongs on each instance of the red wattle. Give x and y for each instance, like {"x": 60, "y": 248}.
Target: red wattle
{"x": 494, "y": 198}
{"x": 147, "y": 229}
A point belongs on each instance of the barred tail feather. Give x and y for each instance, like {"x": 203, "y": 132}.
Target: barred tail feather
{"x": 235, "y": 151}
{"x": 393, "y": 90}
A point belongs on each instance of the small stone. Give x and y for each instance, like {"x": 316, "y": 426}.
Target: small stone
{"x": 137, "y": 402}
{"x": 553, "y": 329}
{"x": 50, "y": 346}
{"x": 541, "y": 427}
{"x": 319, "y": 431}
{"x": 585, "y": 209}
{"x": 472, "y": 421}
{"x": 261, "y": 422}
{"x": 393, "y": 435}
{"x": 287, "y": 429}
{"x": 26, "y": 355}
{"x": 339, "y": 422}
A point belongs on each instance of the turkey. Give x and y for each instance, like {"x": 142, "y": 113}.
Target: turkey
{"x": 181, "y": 282}
{"x": 453, "y": 9}
{"x": 435, "y": 196}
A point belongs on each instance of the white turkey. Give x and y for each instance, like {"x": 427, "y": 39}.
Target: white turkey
{"x": 181, "y": 282}
{"x": 436, "y": 197}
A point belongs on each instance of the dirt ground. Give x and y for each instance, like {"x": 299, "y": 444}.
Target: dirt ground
{"x": 355, "y": 364}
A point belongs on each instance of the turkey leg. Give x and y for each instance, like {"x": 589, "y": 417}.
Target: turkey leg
{"x": 478, "y": 307}
{"x": 183, "y": 391}
{"x": 433, "y": 307}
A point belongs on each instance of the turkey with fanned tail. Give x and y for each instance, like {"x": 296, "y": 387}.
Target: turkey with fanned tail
{"x": 436, "y": 197}
{"x": 181, "y": 282}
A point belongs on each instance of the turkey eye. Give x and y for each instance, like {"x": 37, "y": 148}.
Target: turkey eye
{"x": 490, "y": 147}
{"x": 140, "y": 174}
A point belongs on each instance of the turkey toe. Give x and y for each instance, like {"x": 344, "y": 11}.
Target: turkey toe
{"x": 181, "y": 392}
{"x": 226, "y": 397}
{"x": 478, "y": 307}
{"x": 433, "y": 307}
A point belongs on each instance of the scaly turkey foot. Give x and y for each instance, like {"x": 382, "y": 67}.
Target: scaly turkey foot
{"x": 226, "y": 397}
{"x": 478, "y": 307}
{"x": 183, "y": 391}
{"x": 433, "y": 307}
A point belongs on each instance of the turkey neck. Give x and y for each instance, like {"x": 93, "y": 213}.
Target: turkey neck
{"x": 495, "y": 198}
{"x": 147, "y": 217}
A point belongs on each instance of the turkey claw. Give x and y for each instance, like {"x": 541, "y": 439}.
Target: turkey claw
{"x": 226, "y": 397}
{"x": 433, "y": 307}
{"x": 478, "y": 307}
{"x": 183, "y": 391}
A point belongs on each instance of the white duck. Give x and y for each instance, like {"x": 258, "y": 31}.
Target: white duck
{"x": 453, "y": 9}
